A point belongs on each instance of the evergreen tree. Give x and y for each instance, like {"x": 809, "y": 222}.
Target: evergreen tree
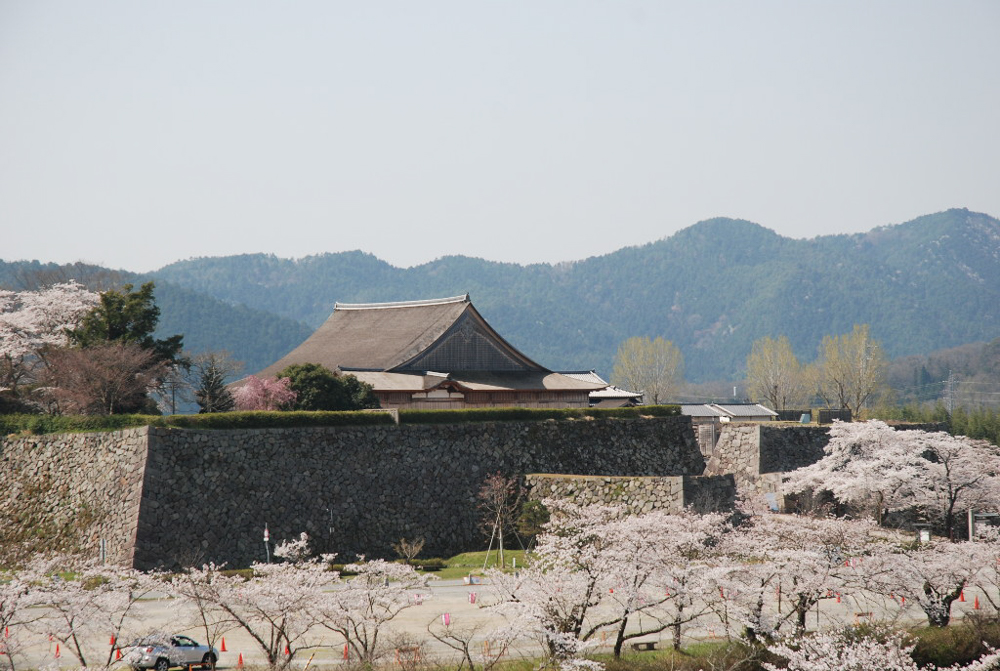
{"x": 319, "y": 388}
{"x": 212, "y": 394}
{"x": 127, "y": 316}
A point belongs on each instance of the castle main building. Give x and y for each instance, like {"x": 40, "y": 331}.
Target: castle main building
{"x": 431, "y": 354}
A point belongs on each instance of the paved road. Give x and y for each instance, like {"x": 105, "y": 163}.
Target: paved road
{"x": 445, "y": 596}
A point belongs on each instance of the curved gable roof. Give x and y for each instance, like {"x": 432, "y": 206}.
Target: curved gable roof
{"x": 407, "y": 336}
{"x": 375, "y": 335}
{"x": 470, "y": 344}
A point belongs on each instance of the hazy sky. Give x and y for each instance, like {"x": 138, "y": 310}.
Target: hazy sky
{"x": 135, "y": 134}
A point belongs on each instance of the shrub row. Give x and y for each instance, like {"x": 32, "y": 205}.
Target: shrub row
{"x": 279, "y": 420}
{"x": 273, "y": 420}
{"x": 70, "y": 423}
{"x": 223, "y": 420}
{"x": 530, "y": 414}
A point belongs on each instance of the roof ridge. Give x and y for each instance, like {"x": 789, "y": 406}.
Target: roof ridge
{"x": 464, "y": 298}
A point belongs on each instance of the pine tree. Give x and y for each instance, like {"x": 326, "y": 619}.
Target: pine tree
{"x": 212, "y": 394}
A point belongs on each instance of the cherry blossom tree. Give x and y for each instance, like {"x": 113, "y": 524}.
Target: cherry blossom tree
{"x": 932, "y": 575}
{"x": 365, "y": 603}
{"x": 122, "y": 589}
{"x": 810, "y": 557}
{"x": 30, "y": 322}
{"x": 481, "y": 645}
{"x": 16, "y": 597}
{"x": 866, "y": 464}
{"x": 655, "y": 561}
{"x": 549, "y": 606}
{"x": 597, "y": 567}
{"x": 267, "y": 393}
{"x": 850, "y": 650}
{"x": 961, "y": 473}
{"x": 874, "y": 466}
{"x": 297, "y": 550}
{"x": 199, "y": 589}
{"x": 274, "y": 607}
{"x": 95, "y": 600}
{"x": 567, "y": 579}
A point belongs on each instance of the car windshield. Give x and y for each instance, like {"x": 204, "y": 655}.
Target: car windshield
{"x": 162, "y": 640}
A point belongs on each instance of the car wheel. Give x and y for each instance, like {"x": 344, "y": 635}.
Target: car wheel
{"x": 162, "y": 664}
{"x": 208, "y": 661}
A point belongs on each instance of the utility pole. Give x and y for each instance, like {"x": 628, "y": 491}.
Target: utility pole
{"x": 951, "y": 394}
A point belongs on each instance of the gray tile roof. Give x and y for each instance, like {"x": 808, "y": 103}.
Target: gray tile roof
{"x": 700, "y": 410}
{"x": 745, "y": 410}
{"x": 608, "y": 392}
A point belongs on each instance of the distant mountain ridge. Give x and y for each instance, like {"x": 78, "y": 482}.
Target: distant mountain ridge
{"x": 255, "y": 337}
{"x": 712, "y": 288}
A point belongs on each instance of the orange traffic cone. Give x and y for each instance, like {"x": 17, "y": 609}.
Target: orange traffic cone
{"x": 57, "y": 651}
{"x": 975, "y": 604}
{"x": 118, "y": 653}
{"x": 345, "y": 651}
{"x": 239, "y": 662}
{"x": 287, "y": 651}
{"x": 112, "y": 643}
{"x": 223, "y": 648}
{"x": 961, "y": 597}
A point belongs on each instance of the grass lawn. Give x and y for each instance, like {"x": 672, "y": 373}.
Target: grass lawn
{"x": 471, "y": 563}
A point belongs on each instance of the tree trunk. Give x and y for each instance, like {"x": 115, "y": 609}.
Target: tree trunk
{"x": 676, "y": 627}
{"x": 802, "y": 606}
{"x": 938, "y": 608}
{"x": 620, "y": 640}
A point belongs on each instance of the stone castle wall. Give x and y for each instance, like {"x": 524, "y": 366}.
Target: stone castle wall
{"x": 637, "y": 494}
{"x": 757, "y": 454}
{"x": 72, "y": 491}
{"x": 166, "y": 497}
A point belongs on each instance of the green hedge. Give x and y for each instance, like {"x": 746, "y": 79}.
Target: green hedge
{"x": 70, "y": 423}
{"x": 278, "y": 420}
{"x": 530, "y": 414}
{"x": 223, "y": 420}
{"x": 273, "y": 420}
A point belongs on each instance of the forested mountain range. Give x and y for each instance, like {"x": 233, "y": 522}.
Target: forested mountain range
{"x": 712, "y": 288}
{"x": 252, "y": 336}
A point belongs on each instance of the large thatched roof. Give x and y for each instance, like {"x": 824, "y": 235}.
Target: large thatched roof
{"x": 410, "y": 345}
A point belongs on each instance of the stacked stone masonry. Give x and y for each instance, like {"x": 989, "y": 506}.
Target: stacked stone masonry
{"x": 637, "y": 494}
{"x": 82, "y": 488}
{"x": 757, "y": 454}
{"x": 165, "y": 497}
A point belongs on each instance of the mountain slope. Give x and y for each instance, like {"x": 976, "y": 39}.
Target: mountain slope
{"x": 712, "y": 288}
{"x": 255, "y": 337}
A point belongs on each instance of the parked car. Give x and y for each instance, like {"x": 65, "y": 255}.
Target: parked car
{"x": 161, "y": 652}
